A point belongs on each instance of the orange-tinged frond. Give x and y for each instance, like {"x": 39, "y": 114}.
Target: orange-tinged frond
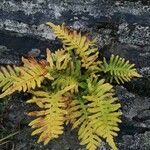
{"x": 50, "y": 119}
{"x": 31, "y": 75}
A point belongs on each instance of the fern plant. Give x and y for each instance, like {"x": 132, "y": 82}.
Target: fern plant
{"x": 71, "y": 86}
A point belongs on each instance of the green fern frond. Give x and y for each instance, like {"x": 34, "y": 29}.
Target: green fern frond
{"x": 79, "y": 118}
{"x": 71, "y": 76}
{"x": 63, "y": 81}
{"x": 63, "y": 69}
{"x": 96, "y": 114}
{"x": 50, "y": 119}
{"x": 119, "y": 70}
{"x": 30, "y": 76}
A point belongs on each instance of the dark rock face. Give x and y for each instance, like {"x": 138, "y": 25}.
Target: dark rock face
{"x": 121, "y": 27}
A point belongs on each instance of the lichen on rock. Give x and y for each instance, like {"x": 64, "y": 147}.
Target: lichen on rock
{"x": 121, "y": 27}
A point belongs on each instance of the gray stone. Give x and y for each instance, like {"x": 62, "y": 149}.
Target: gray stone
{"x": 121, "y": 28}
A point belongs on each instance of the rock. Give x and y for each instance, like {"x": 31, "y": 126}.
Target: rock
{"x": 121, "y": 28}
{"x": 135, "y": 108}
{"x": 136, "y": 142}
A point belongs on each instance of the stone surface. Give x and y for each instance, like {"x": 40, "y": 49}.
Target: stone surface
{"x": 121, "y": 27}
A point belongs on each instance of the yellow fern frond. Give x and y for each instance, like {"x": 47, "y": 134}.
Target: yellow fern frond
{"x": 63, "y": 69}
{"x": 50, "y": 120}
{"x": 73, "y": 40}
{"x": 88, "y": 137}
{"x": 84, "y": 47}
{"x": 76, "y": 109}
{"x": 30, "y": 75}
{"x": 78, "y": 116}
{"x": 103, "y": 109}
{"x": 96, "y": 114}
{"x": 7, "y": 76}
{"x": 58, "y": 60}
{"x": 119, "y": 70}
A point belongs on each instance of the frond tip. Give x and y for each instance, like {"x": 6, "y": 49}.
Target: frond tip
{"x": 119, "y": 69}
{"x": 74, "y": 40}
{"x": 71, "y": 39}
{"x": 58, "y": 60}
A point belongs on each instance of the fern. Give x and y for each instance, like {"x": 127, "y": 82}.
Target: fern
{"x": 7, "y": 76}
{"x": 58, "y": 60}
{"x": 30, "y": 75}
{"x": 72, "y": 40}
{"x": 68, "y": 87}
{"x": 84, "y": 47}
{"x": 63, "y": 70}
{"x": 118, "y": 69}
{"x": 97, "y": 118}
{"x": 103, "y": 109}
{"x": 50, "y": 120}
{"x": 78, "y": 116}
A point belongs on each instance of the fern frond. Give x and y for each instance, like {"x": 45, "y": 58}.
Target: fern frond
{"x": 63, "y": 81}
{"x": 84, "y": 47}
{"x": 58, "y": 60}
{"x": 30, "y": 76}
{"x": 71, "y": 76}
{"x": 119, "y": 70}
{"x": 96, "y": 115}
{"x": 88, "y": 137}
{"x": 7, "y": 76}
{"x": 50, "y": 119}
{"x": 79, "y": 118}
{"x": 72, "y": 40}
{"x": 65, "y": 71}
{"x": 103, "y": 109}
